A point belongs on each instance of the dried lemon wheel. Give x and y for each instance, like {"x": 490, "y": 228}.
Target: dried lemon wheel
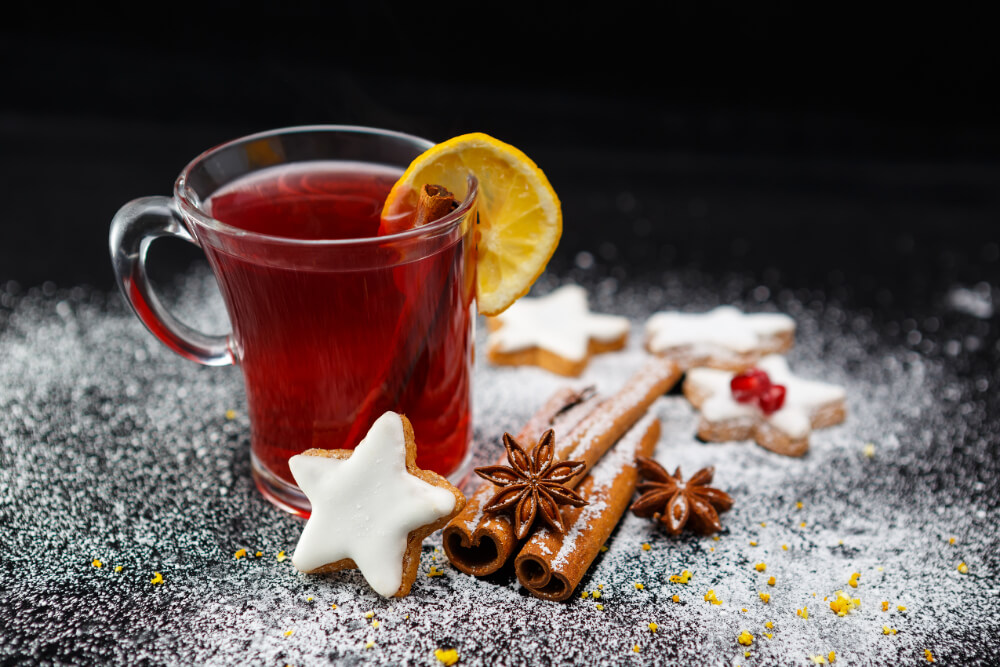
{"x": 520, "y": 220}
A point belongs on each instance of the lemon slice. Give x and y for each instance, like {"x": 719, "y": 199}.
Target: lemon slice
{"x": 520, "y": 220}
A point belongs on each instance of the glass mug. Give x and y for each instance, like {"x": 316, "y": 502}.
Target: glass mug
{"x": 332, "y": 325}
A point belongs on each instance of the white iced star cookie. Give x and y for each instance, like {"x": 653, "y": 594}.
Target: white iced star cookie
{"x": 371, "y": 507}
{"x": 722, "y": 338}
{"x": 557, "y": 332}
{"x": 782, "y": 425}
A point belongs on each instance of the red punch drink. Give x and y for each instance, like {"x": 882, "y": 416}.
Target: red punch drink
{"x": 337, "y": 316}
{"x": 326, "y": 349}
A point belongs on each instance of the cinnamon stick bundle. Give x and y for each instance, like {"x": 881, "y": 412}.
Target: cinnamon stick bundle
{"x": 478, "y": 543}
{"x": 552, "y": 564}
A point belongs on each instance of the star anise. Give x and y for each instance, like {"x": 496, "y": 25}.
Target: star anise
{"x": 531, "y": 485}
{"x": 675, "y": 502}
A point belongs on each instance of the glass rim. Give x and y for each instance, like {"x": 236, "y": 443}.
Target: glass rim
{"x": 192, "y": 209}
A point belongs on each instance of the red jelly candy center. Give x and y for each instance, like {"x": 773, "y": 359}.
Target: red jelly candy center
{"x": 749, "y": 384}
{"x": 754, "y": 386}
{"x": 772, "y": 399}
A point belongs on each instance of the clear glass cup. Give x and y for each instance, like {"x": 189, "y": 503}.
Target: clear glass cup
{"x": 330, "y": 329}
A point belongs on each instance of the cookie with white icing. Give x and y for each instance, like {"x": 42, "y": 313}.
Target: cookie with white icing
{"x": 557, "y": 332}
{"x": 766, "y": 403}
{"x": 723, "y": 338}
{"x": 372, "y": 507}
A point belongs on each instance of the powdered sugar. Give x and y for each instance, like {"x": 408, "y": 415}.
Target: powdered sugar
{"x": 113, "y": 448}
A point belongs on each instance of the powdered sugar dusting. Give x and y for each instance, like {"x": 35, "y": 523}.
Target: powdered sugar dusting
{"x": 112, "y": 448}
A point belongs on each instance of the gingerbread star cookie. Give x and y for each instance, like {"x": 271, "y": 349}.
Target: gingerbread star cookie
{"x": 767, "y": 403}
{"x": 723, "y": 338}
{"x": 557, "y": 332}
{"x": 371, "y": 507}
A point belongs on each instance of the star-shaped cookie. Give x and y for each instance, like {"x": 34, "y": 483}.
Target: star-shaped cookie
{"x": 722, "y": 338}
{"x": 371, "y": 507}
{"x": 783, "y": 426}
{"x": 557, "y": 332}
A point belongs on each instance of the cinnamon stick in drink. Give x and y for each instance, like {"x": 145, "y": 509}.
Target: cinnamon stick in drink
{"x": 478, "y": 543}
{"x": 552, "y": 564}
{"x": 435, "y": 202}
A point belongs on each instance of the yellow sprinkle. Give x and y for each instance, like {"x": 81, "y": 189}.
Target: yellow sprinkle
{"x": 157, "y": 578}
{"x": 744, "y": 610}
{"x": 963, "y": 568}
{"x": 853, "y": 581}
{"x": 798, "y": 505}
{"x": 370, "y": 614}
{"x": 760, "y": 567}
{"x": 763, "y": 524}
{"x": 638, "y": 586}
{"x": 715, "y": 537}
{"x": 600, "y": 587}
{"x": 375, "y": 624}
{"x": 711, "y": 548}
{"x": 746, "y": 654}
{"x": 636, "y": 648}
{"x": 259, "y": 554}
{"x": 772, "y": 581}
{"x": 597, "y": 595}
{"x": 333, "y": 606}
{"x": 600, "y": 607}
{"x": 879, "y": 568}
{"x": 764, "y": 597}
{"x": 604, "y": 548}
{"x": 804, "y": 612}
{"x": 900, "y": 607}
{"x": 802, "y": 525}
{"x": 240, "y": 554}
{"x": 710, "y": 597}
{"x": 653, "y": 627}
{"x": 584, "y": 595}
{"x": 745, "y": 638}
{"x": 288, "y": 633}
{"x": 309, "y": 599}
{"x": 818, "y": 659}
{"x": 784, "y": 547}
{"x": 230, "y": 414}
{"x": 281, "y": 556}
{"x": 370, "y": 644}
{"x": 951, "y": 540}
{"x": 832, "y": 657}
{"x": 842, "y": 604}
{"x": 645, "y": 546}
{"x": 769, "y": 635}
{"x": 753, "y": 544}
{"x": 840, "y": 543}
{"x": 869, "y": 450}
{"x": 449, "y": 657}
{"x": 676, "y": 598}
{"x": 681, "y": 578}
{"x": 118, "y": 568}
{"x": 97, "y": 563}
{"x": 928, "y": 655}
{"x": 886, "y": 630}
{"x": 885, "y": 605}
{"x": 434, "y": 572}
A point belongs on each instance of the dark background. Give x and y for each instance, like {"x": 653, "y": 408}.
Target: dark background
{"x": 822, "y": 148}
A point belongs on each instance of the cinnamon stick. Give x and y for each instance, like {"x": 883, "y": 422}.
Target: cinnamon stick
{"x": 435, "y": 202}
{"x": 478, "y": 543}
{"x": 552, "y": 564}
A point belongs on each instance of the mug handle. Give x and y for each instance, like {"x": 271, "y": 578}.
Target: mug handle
{"x": 136, "y": 225}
